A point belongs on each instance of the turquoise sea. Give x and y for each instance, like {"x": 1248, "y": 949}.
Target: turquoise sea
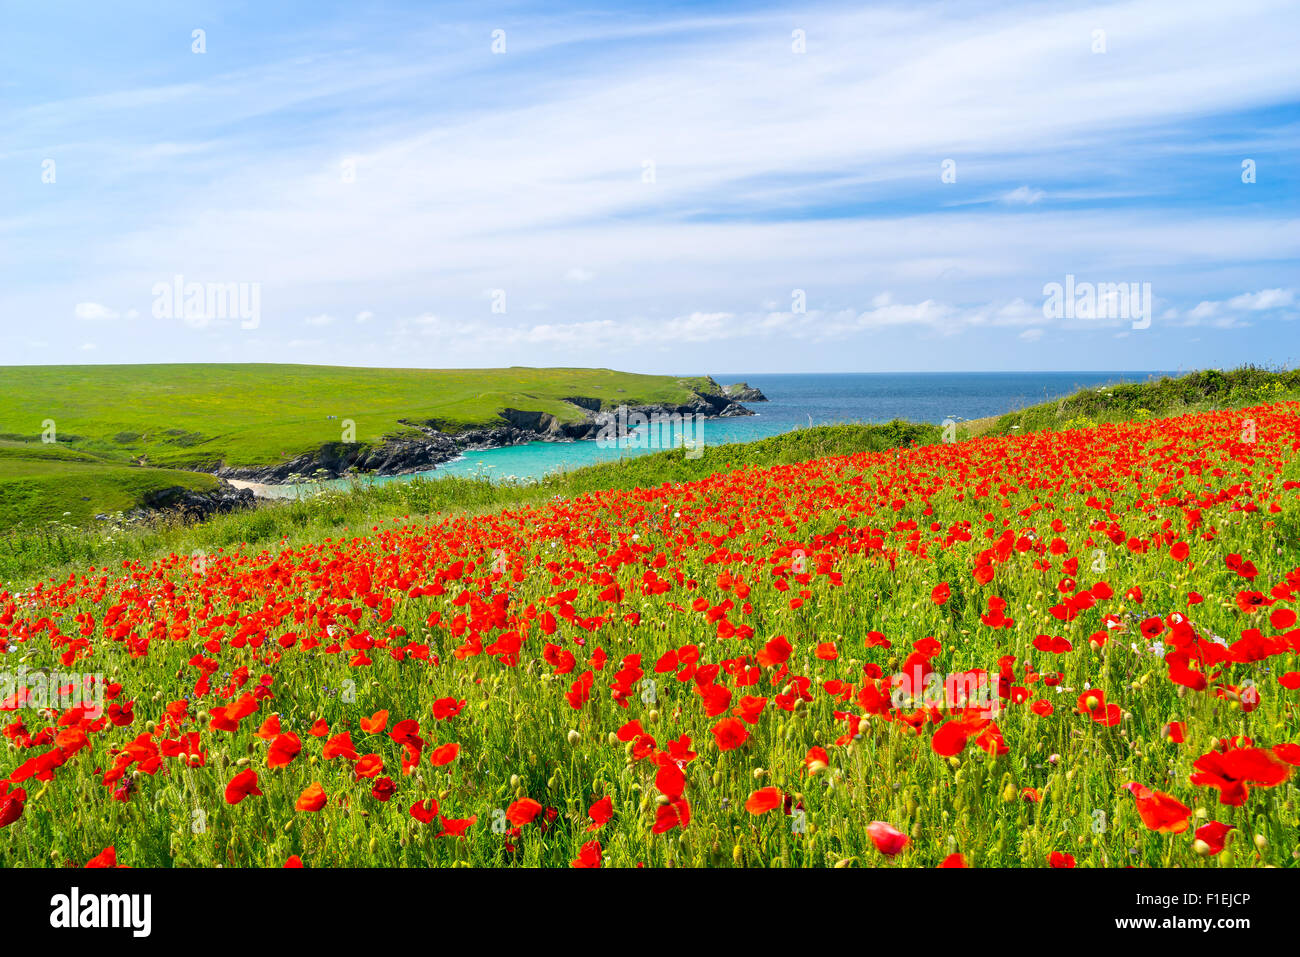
{"x": 799, "y": 400}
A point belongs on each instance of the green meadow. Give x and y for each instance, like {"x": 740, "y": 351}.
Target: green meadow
{"x": 257, "y": 414}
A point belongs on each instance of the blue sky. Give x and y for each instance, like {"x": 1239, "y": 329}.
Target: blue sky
{"x": 399, "y": 194}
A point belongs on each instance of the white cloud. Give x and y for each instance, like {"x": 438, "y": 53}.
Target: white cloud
{"x": 94, "y": 312}
{"x": 578, "y": 274}
{"x": 365, "y": 316}
{"x": 1264, "y": 299}
{"x": 1023, "y": 195}
{"x": 1031, "y": 335}
{"x": 319, "y": 320}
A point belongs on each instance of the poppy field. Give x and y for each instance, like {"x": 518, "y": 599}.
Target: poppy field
{"x": 1060, "y": 649}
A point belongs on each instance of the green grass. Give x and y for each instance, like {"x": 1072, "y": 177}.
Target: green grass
{"x": 40, "y": 484}
{"x": 198, "y": 415}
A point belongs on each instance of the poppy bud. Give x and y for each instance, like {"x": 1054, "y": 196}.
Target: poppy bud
{"x": 574, "y": 738}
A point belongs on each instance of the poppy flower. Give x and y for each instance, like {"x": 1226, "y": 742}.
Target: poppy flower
{"x": 105, "y": 858}
{"x": 11, "y": 808}
{"x": 1058, "y": 859}
{"x": 425, "y": 811}
{"x": 730, "y": 734}
{"x": 283, "y": 750}
{"x": 1233, "y": 772}
{"x": 1159, "y": 811}
{"x": 368, "y": 766}
{"x": 600, "y": 813}
{"x": 764, "y": 800}
{"x": 676, "y": 813}
{"x": 670, "y": 780}
{"x": 455, "y": 827}
{"x": 312, "y": 799}
{"x": 444, "y": 754}
{"x": 523, "y": 811}
{"x": 589, "y": 855}
{"x": 816, "y": 759}
{"x": 1212, "y": 835}
{"x": 888, "y": 840}
{"x": 242, "y": 785}
{"x": 339, "y": 746}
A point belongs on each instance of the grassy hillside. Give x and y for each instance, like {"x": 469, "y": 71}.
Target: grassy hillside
{"x": 122, "y": 431}
{"x": 259, "y": 414}
{"x": 49, "y": 483}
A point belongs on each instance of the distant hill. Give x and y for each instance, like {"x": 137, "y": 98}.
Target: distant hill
{"x": 91, "y": 439}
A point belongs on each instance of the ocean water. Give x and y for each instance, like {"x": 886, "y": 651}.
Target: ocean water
{"x": 798, "y": 400}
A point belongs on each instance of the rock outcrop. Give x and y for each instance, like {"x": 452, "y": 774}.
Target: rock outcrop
{"x": 742, "y": 392}
{"x": 191, "y": 504}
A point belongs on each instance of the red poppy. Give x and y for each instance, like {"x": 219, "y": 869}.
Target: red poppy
{"x": 444, "y": 754}
{"x": 589, "y": 855}
{"x": 523, "y": 811}
{"x": 312, "y": 799}
{"x": 242, "y": 785}
{"x": 729, "y": 734}
{"x": 888, "y": 840}
{"x": 764, "y": 800}
{"x": 1212, "y": 835}
{"x": 105, "y": 858}
{"x": 1160, "y": 811}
